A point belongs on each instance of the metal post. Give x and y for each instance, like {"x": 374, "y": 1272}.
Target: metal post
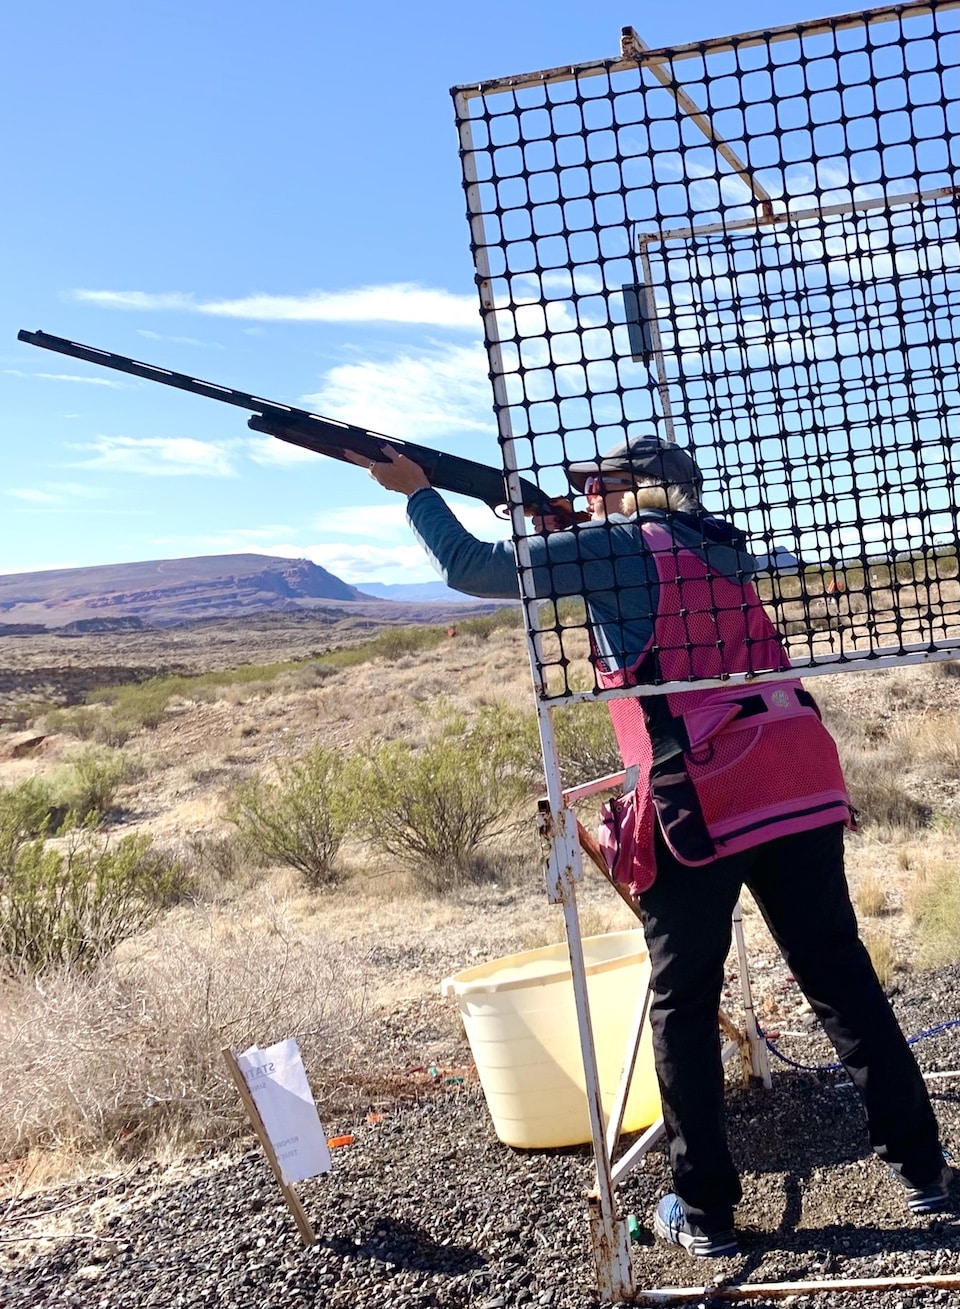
{"x": 759, "y": 1062}
{"x": 609, "y": 1236}
{"x": 632, "y": 45}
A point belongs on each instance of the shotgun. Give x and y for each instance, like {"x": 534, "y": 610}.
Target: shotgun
{"x": 329, "y": 436}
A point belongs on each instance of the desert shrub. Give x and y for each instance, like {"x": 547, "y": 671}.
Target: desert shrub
{"x": 930, "y": 748}
{"x": 436, "y": 804}
{"x": 69, "y": 905}
{"x": 395, "y": 642}
{"x": 586, "y": 742}
{"x": 875, "y": 781}
{"x": 127, "y": 1057}
{"x": 87, "y": 723}
{"x": 25, "y": 812}
{"x": 22, "y": 714}
{"x": 89, "y": 782}
{"x": 143, "y": 704}
{"x": 390, "y": 644}
{"x": 77, "y": 795}
{"x": 139, "y": 704}
{"x": 483, "y": 625}
{"x": 882, "y": 801}
{"x": 223, "y": 856}
{"x": 299, "y": 819}
{"x": 304, "y": 677}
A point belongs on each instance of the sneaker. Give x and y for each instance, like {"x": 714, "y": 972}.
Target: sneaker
{"x": 932, "y": 1198}
{"x": 671, "y": 1224}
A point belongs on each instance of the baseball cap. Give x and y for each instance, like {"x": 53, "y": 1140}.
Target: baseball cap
{"x": 644, "y": 455}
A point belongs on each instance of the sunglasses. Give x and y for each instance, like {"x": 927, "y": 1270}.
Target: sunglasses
{"x": 597, "y": 486}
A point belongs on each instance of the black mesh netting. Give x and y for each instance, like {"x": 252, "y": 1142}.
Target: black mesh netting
{"x": 747, "y": 246}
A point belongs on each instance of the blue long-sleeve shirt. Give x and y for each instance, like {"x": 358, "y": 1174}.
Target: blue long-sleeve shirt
{"x": 606, "y": 562}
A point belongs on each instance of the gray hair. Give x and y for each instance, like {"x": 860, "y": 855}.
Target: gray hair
{"x": 681, "y": 497}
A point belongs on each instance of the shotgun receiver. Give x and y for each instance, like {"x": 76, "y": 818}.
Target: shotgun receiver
{"x": 327, "y": 436}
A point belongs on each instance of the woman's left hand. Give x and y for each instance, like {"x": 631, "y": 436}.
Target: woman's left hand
{"x": 400, "y": 474}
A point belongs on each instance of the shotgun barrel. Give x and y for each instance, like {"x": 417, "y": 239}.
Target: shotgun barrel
{"x": 325, "y": 436}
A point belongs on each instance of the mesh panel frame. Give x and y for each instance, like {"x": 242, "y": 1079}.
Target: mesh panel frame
{"x": 777, "y": 213}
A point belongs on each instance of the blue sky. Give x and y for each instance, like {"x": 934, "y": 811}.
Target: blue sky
{"x": 266, "y": 196}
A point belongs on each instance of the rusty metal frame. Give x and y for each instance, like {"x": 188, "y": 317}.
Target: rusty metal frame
{"x": 791, "y": 216}
{"x": 712, "y": 45}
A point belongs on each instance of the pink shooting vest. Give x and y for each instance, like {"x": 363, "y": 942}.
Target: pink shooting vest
{"x": 731, "y": 769}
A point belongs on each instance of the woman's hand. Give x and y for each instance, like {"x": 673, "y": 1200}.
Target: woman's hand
{"x": 544, "y": 523}
{"x": 400, "y": 474}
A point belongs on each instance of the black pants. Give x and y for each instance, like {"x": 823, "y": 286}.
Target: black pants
{"x": 799, "y": 885}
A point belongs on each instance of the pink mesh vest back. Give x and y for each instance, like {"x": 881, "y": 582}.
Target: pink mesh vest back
{"x": 755, "y": 762}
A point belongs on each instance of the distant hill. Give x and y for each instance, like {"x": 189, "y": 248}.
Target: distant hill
{"x": 779, "y": 560}
{"x": 165, "y": 591}
{"x": 417, "y": 592}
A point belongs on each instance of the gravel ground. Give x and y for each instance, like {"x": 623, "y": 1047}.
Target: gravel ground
{"x": 427, "y": 1210}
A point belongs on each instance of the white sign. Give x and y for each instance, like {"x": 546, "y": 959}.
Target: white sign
{"x": 277, "y": 1081}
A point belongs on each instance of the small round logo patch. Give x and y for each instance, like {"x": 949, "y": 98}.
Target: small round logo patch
{"x": 781, "y": 699}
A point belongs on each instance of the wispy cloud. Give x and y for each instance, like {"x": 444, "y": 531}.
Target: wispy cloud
{"x": 270, "y": 451}
{"x": 239, "y": 540}
{"x": 178, "y": 340}
{"x": 56, "y": 493}
{"x": 383, "y": 522}
{"x": 359, "y": 564}
{"x": 136, "y": 299}
{"x": 379, "y": 522}
{"x": 398, "y": 302}
{"x": 378, "y": 545}
{"x": 354, "y": 564}
{"x": 178, "y": 456}
{"x": 64, "y": 377}
{"x": 34, "y": 496}
{"x": 412, "y": 395}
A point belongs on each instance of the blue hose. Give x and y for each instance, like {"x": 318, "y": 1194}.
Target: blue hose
{"x": 830, "y": 1068}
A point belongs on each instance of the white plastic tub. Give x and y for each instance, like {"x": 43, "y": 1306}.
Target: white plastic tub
{"x": 521, "y": 1022}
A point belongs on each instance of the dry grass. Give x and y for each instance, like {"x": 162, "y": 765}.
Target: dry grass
{"x": 872, "y": 897}
{"x": 132, "y": 1053}
{"x": 595, "y": 920}
{"x": 934, "y": 905}
{"x": 883, "y": 954}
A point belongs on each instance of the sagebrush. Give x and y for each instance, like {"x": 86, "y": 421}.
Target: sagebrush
{"x": 437, "y": 804}
{"x": 68, "y": 904}
{"x": 300, "y": 818}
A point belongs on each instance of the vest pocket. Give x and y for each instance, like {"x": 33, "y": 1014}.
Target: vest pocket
{"x": 680, "y": 817}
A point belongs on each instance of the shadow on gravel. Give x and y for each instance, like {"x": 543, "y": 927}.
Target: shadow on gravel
{"x": 408, "y": 1247}
{"x": 802, "y": 1123}
{"x": 832, "y": 1247}
{"x": 840, "y": 1238}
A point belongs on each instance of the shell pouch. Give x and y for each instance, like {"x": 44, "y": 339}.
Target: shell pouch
{"x": 625, "y": 837}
